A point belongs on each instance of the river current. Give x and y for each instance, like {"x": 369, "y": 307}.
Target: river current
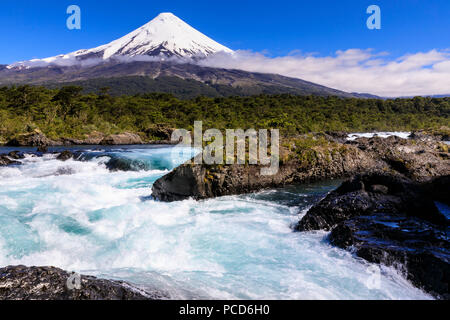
{"x": 83, "y": 217}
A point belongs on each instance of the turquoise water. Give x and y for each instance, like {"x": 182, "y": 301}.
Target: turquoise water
{"x": 80, "y": 216}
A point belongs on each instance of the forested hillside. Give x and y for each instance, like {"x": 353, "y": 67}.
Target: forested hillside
{"x": 67, "y": 112}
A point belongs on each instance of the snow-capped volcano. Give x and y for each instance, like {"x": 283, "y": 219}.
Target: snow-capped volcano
{"x": 164, "y": 36}
{"x": 163, "y": 55}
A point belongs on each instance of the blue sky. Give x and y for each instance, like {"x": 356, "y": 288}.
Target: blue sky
{"x": 36, "y": 29}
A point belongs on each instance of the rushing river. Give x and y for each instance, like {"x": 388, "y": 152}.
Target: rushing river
{"x": 80, "y": 216}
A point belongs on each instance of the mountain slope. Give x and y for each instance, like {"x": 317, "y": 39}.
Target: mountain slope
{"x": 164, "y": 47}
{"x": 181, "y": 88}
{"x": 239, "y": 82}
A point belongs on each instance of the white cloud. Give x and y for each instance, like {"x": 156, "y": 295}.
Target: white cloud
{"x": 353, "y": 70}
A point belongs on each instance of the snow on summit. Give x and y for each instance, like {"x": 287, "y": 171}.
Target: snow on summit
{"x": 164, "y": 36}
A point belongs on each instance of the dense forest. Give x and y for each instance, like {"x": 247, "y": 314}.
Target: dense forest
{"x": 68, "y": 112}
{"x": 180, "y": 88}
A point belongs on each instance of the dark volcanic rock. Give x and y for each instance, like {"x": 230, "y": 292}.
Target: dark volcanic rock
{"x": 32, "y": 139}
{"x": 419, "y": 249}
{"x": 338, "y": 136}
{"x": 441, "y": 134}
{"x": 391, "y": 220}
{"x": 65, "y": 155}
{"x": 122, "y": 164}
{"x": 416, "y": 160}
{"x": 363, "y": 195}
{"x": 6, "y": 160}
{"x": 122, "y": 139}
{"x": 16, "y": 155}
{"x": 49, "y": 283}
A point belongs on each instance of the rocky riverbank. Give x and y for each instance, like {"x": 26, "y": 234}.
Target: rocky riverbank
{"x": 8, "y": 159}
{"x": 310, "y": 158}
{"x": 49, "y": 283}
{"x": 156, "y": 134}
{"x": 393, "y": 221}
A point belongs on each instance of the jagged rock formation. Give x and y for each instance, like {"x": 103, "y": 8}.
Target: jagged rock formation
{"x": 393, "y": 221}
{"x": 418, "y": 160}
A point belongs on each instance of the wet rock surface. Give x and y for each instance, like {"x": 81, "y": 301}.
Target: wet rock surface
{"x": 414, "y": 159}
{"x": 65, "y": 155}
{"x": 419, "y": 249}
{"x": 49, "y": 283}
{"x": 121, "y": 164}
{"x": 375, "y": 193}
{"x": 6, "y": 160}
{"x": 441, "y": 134}
{"x": 16, "y": 155}
{"x": 391, "y": 220}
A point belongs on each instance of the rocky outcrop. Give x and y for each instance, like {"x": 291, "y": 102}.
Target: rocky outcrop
{"x": 417, "y": 160}
{"x": 203, "y": 181}
{"x": 65, "y": 155}
{"x": 441, "y": 134}
{"x": 418, "y": 249}
{"x": 122, "y": 139}
{"x": 16, "y": 155}
{"x": 5, "y": 160}
{"x": 32, "y": 139}
{"x": 391, "y": 220}
{"x": 49, "y": 283}
{"x": 39, "y": 139}
{"x": 160, "y": 132}
{"x": 94, "y": 138}
{"x": 10, "y": 158}
{"x": 369, "y": 194}
{"x": 42, "y": 149}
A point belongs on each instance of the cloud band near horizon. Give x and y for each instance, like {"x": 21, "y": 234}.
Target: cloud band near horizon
{"x": 353, "y": 70}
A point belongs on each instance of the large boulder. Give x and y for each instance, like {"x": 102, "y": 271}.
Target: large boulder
{"x": 94, "y": 138}
{"x": 5, "y": 160}
{"x": 417, "y": 248}
{"x": 391, "y": 220}
{"x": 122, "y": 139}
{"x": 49, "y": 283}
{"x": 160, "y": 132}
{"x": 201, "y": 181}
{"x": 368, "y": 194}
{"x": 419, "y": 161}
{"x": 16, "y": 155}
{"x": 65, "y": 155}
{"x": 441, "y": 134}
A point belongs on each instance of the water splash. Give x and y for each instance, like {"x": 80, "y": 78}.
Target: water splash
{"x": 103, "y": 223}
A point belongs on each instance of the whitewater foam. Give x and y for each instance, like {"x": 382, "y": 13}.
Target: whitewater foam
{"x": 103, "y": 223}
{"x": 354, "y": 136}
